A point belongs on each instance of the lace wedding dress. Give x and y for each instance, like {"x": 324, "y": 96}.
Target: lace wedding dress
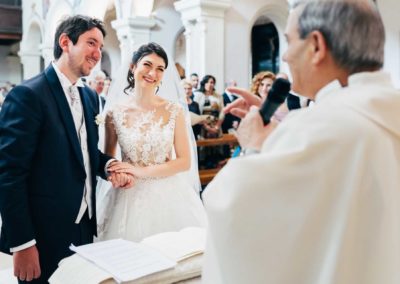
{"x": 152, "y": 205}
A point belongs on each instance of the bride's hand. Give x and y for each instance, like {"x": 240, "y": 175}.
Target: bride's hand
{"x": 123, "y": 167}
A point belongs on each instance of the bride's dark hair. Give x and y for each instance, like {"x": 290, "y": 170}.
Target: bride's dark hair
{"x": 144, "y": 50}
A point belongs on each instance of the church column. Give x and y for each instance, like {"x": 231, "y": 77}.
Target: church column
{"x": 205, "y": 21}
{"x": 191, "y": 66}
{"x": 47, "y": 54}
{"x": 31, "y": 63}
{"x": 132, "y": 32}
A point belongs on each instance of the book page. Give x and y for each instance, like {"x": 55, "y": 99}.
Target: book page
{"x": 125, "y": 260}
{"x": 77, "y": 270}
{"x": 7, "y": 276}
{"x": 179, "y": 245}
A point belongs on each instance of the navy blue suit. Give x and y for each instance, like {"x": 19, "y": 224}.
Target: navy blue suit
{"x": 42, "y": 174}
{"x": 229, "y": 118}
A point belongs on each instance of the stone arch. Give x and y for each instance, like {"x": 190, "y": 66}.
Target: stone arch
{"x": 58, "y": 10}
{"x": 264, "y": 46}
{"x": 32, "y": 39}
{"x": 111, "y": 42}
{"x": 95, "y": 8}
{"x": 167, "y": 19}
{"x": 142, "y": 8}
{"x": 179, "y": 52}
{"x": 277, "y": 12}
{"x": 30, "y": 49}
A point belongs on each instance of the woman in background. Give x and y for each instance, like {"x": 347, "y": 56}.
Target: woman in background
{"x": 210, "y": 103}
{"x": 262, "y": 83}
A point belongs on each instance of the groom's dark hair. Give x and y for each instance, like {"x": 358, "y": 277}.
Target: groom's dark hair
{"x": 73, "y": 27}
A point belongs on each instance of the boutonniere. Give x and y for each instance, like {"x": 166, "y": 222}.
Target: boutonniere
{"x": 99, "y": 119}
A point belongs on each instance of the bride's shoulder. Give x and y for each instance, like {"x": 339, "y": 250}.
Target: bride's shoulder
{"x": 173, "y": 106}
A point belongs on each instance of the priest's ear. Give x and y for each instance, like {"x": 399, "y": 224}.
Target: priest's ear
{"x": 319, "y": 48}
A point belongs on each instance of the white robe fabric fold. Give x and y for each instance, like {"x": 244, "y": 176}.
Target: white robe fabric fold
{"x": 321, "y": 203}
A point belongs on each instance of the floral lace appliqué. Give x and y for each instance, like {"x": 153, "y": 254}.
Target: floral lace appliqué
{"x": 149, "y": 140}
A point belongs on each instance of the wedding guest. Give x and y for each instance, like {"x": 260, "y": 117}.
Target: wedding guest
{"x": 192, "y": 105}
{"x": 194, "y": 78}
{"x": 262, "y": 83}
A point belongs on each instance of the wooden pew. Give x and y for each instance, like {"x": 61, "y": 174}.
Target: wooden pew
{"x": 227, "y": 139}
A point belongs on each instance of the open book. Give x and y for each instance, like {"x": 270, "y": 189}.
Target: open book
{"x": 180, "y": 245}
{"x": 164, "y": 258}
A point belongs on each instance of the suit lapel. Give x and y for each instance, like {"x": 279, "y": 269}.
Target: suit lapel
{"x": 65, "y": 112}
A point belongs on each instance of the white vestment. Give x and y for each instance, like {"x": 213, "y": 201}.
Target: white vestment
{"x": 321, "y": 203}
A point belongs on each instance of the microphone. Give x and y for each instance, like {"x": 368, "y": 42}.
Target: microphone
{"x": 276, "y": 96}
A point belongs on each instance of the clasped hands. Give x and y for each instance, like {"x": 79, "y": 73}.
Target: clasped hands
{"x": 123, "y": 175}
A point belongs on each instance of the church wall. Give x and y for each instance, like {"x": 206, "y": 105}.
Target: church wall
{"x": 389, "y": 11}
{"x": 168, "y": 26}
{"x": 111, "y": 46}
{"x": 57, "y": 11}
{"x": 11, "y": 66}
{"x": 239, "y": 20}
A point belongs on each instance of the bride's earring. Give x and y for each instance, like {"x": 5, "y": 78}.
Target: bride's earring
{"x": 158, "y": 87}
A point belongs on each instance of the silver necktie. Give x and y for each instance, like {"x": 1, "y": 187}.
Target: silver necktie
{"x": 76, "y": 107}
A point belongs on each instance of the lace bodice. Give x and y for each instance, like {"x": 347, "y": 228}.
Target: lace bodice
{"x": 145, "y": 137}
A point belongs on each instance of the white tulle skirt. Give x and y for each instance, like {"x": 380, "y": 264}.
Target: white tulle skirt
{"x": 149, "y": 207}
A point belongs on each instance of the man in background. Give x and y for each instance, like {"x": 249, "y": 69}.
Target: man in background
{"x": 230, "y": 121}
{"x": 98, "y": 86}
{"x": 194, "y": 78}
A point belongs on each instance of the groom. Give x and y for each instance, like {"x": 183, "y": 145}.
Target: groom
{"x": 49, "y": 157}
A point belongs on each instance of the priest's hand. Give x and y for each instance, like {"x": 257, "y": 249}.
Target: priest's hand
{"x": 241, "y": 106}
{"x": 252, "y": 133}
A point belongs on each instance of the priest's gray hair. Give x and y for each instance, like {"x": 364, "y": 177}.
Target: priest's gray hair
{"x": 353, "y": 31}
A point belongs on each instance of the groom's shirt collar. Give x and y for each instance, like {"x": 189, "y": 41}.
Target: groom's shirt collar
{"x": 65, "y": 82}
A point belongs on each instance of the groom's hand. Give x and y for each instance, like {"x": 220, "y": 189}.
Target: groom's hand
{"x": 26, "y": 264}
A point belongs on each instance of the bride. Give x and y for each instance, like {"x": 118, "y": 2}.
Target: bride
{"x": 152, "y": 134}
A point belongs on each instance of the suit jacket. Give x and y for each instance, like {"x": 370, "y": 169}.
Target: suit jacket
{"x": 229, "y": 118}
{"x": 194, "y": 107}
{"x": 102, "y": 101}
{"x": 42, "y": 174}
{"x": 293, "y": 102}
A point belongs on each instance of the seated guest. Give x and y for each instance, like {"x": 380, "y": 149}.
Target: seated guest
{"x": 230, "y": 121}
{"x": 192, "y": 105}
{"x": 194, "y": 79}
{"x": 210, "y": 103}
{"x": 262, "y": 83}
